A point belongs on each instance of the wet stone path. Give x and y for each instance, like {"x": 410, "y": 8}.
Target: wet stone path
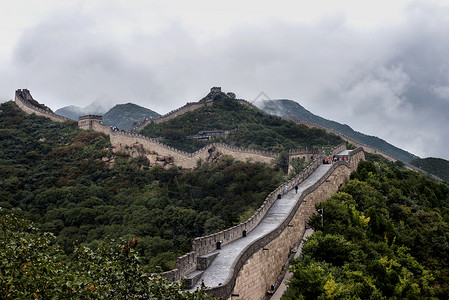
{"x": 220, "y": 269}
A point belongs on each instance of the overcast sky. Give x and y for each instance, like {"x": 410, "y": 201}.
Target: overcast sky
{"x": 381, "y": 67}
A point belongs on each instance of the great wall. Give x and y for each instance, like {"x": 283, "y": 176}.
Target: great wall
{"x": 256, "y": 265}
{"x": 191, "y": 106}
{"x": 135, "y": 144}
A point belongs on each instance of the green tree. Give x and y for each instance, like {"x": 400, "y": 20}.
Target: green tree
{"x": 297, "y": 164}
{"x": 32, "y": 266}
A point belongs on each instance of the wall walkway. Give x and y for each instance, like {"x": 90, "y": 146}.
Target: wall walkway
{"x": 23, "y": 100}
{"x": 248, "y": 266}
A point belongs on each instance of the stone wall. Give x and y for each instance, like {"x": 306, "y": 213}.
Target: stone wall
{"x": 190, "y": 106}
{"x": 307, "y": 154}
{"x": 206, "y": 244}
{"x": 260, "y": 263}
{"x": 139, "y": 145}
{"x": 367, "y": 148}
{"x": 22, "y": 98}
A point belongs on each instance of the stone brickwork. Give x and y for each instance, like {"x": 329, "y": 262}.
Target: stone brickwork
{"x": 206, "y": 244}
{"x": 367, "y": 148}
{"x": 189, "y": 106}
{"x": 23, "y": 100}
{"x": 257, "y": 271}
{"x": 159, "y": 153}
{"x": 88, "y": 122}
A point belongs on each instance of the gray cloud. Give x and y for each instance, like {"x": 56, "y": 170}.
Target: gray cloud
{"x": 390, "y": 82}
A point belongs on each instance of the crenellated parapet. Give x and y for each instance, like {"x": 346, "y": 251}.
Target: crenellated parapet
{"x": 87, "y": 122}
{"x": 204, "y": 245}
{"x": 189, "y": 106}
{"x": 159, "y": 153}
{"x": 26, "y": 103}
{"x": 259, "y": 264}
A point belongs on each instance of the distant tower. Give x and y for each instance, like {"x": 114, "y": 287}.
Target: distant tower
{"x": 215, "y": 90}
{"x": 86, "y": 122}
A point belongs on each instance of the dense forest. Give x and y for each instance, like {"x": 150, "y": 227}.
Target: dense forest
{"x": 79, "y": 221}
{"x": 33, "y": 266}
{"x": 436, "y": 166}
{"x": 384, "y": 235}
{"x": 69, "y": 182}
{"x": 249, "y": 128}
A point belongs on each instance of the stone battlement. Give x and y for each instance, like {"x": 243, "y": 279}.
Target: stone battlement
{"x": 25, "y": 102}
{"x": 138, "y": 145}
{"x": 337, "y": 174}
{"x": 87, "y": 122}
{"x": 191, "y": 106}
{"x": 206, "y": 244}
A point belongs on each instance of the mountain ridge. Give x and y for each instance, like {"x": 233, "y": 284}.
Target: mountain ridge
{"x": 74, "y": 112}
{"x": 127, "y": 115}
{"x": 293, "y": 110}
{"x": 124, "y": 116}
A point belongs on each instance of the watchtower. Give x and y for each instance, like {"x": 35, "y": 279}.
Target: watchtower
{"x": 215, "y": 90}
{"x": 86, "y": 122}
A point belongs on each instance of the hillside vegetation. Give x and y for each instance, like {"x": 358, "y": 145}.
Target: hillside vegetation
{"x": 294, "y": 111}
{"x": 385, "y": 236}
{"x": 248, "y": 126}
{"x": 32, "y": 266}
{"x": 70, "y": 182}
{"x": 125, "y": 116}
{"x": 436, "y": 166}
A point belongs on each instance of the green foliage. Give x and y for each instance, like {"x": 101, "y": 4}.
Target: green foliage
{"x": 32, "y": 266}
{"x": 250, "y": 128}
{"x": 125, "y": 116}
{"x": 385, "y": 235}
{"x": 69, "y": 181}
{"x": 297, "y": 164}
{"x": 294, "y": 111}
{"x": 436, "y": 166}
{"x": 281, "y": 162}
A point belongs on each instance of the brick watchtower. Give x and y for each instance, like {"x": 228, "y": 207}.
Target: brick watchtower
{"x": 86, "y": 122}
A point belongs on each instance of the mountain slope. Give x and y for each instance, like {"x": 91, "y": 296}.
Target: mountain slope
{"x": 293, "y": 110}
{"x": 246, "y": 126}
{"x": 436, "y": 166}
{"x": 125, "y": 116}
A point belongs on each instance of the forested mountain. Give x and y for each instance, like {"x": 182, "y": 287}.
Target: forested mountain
{"x": 74, "y": 112}
{"x": 248, "y": 127}
{"x": 436, "y": 166}
{"x": 70, "y": 182}
{"x": 294, "y": 111}
{"x": 385, "y": 236}
{"x": 125, "y": 116}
